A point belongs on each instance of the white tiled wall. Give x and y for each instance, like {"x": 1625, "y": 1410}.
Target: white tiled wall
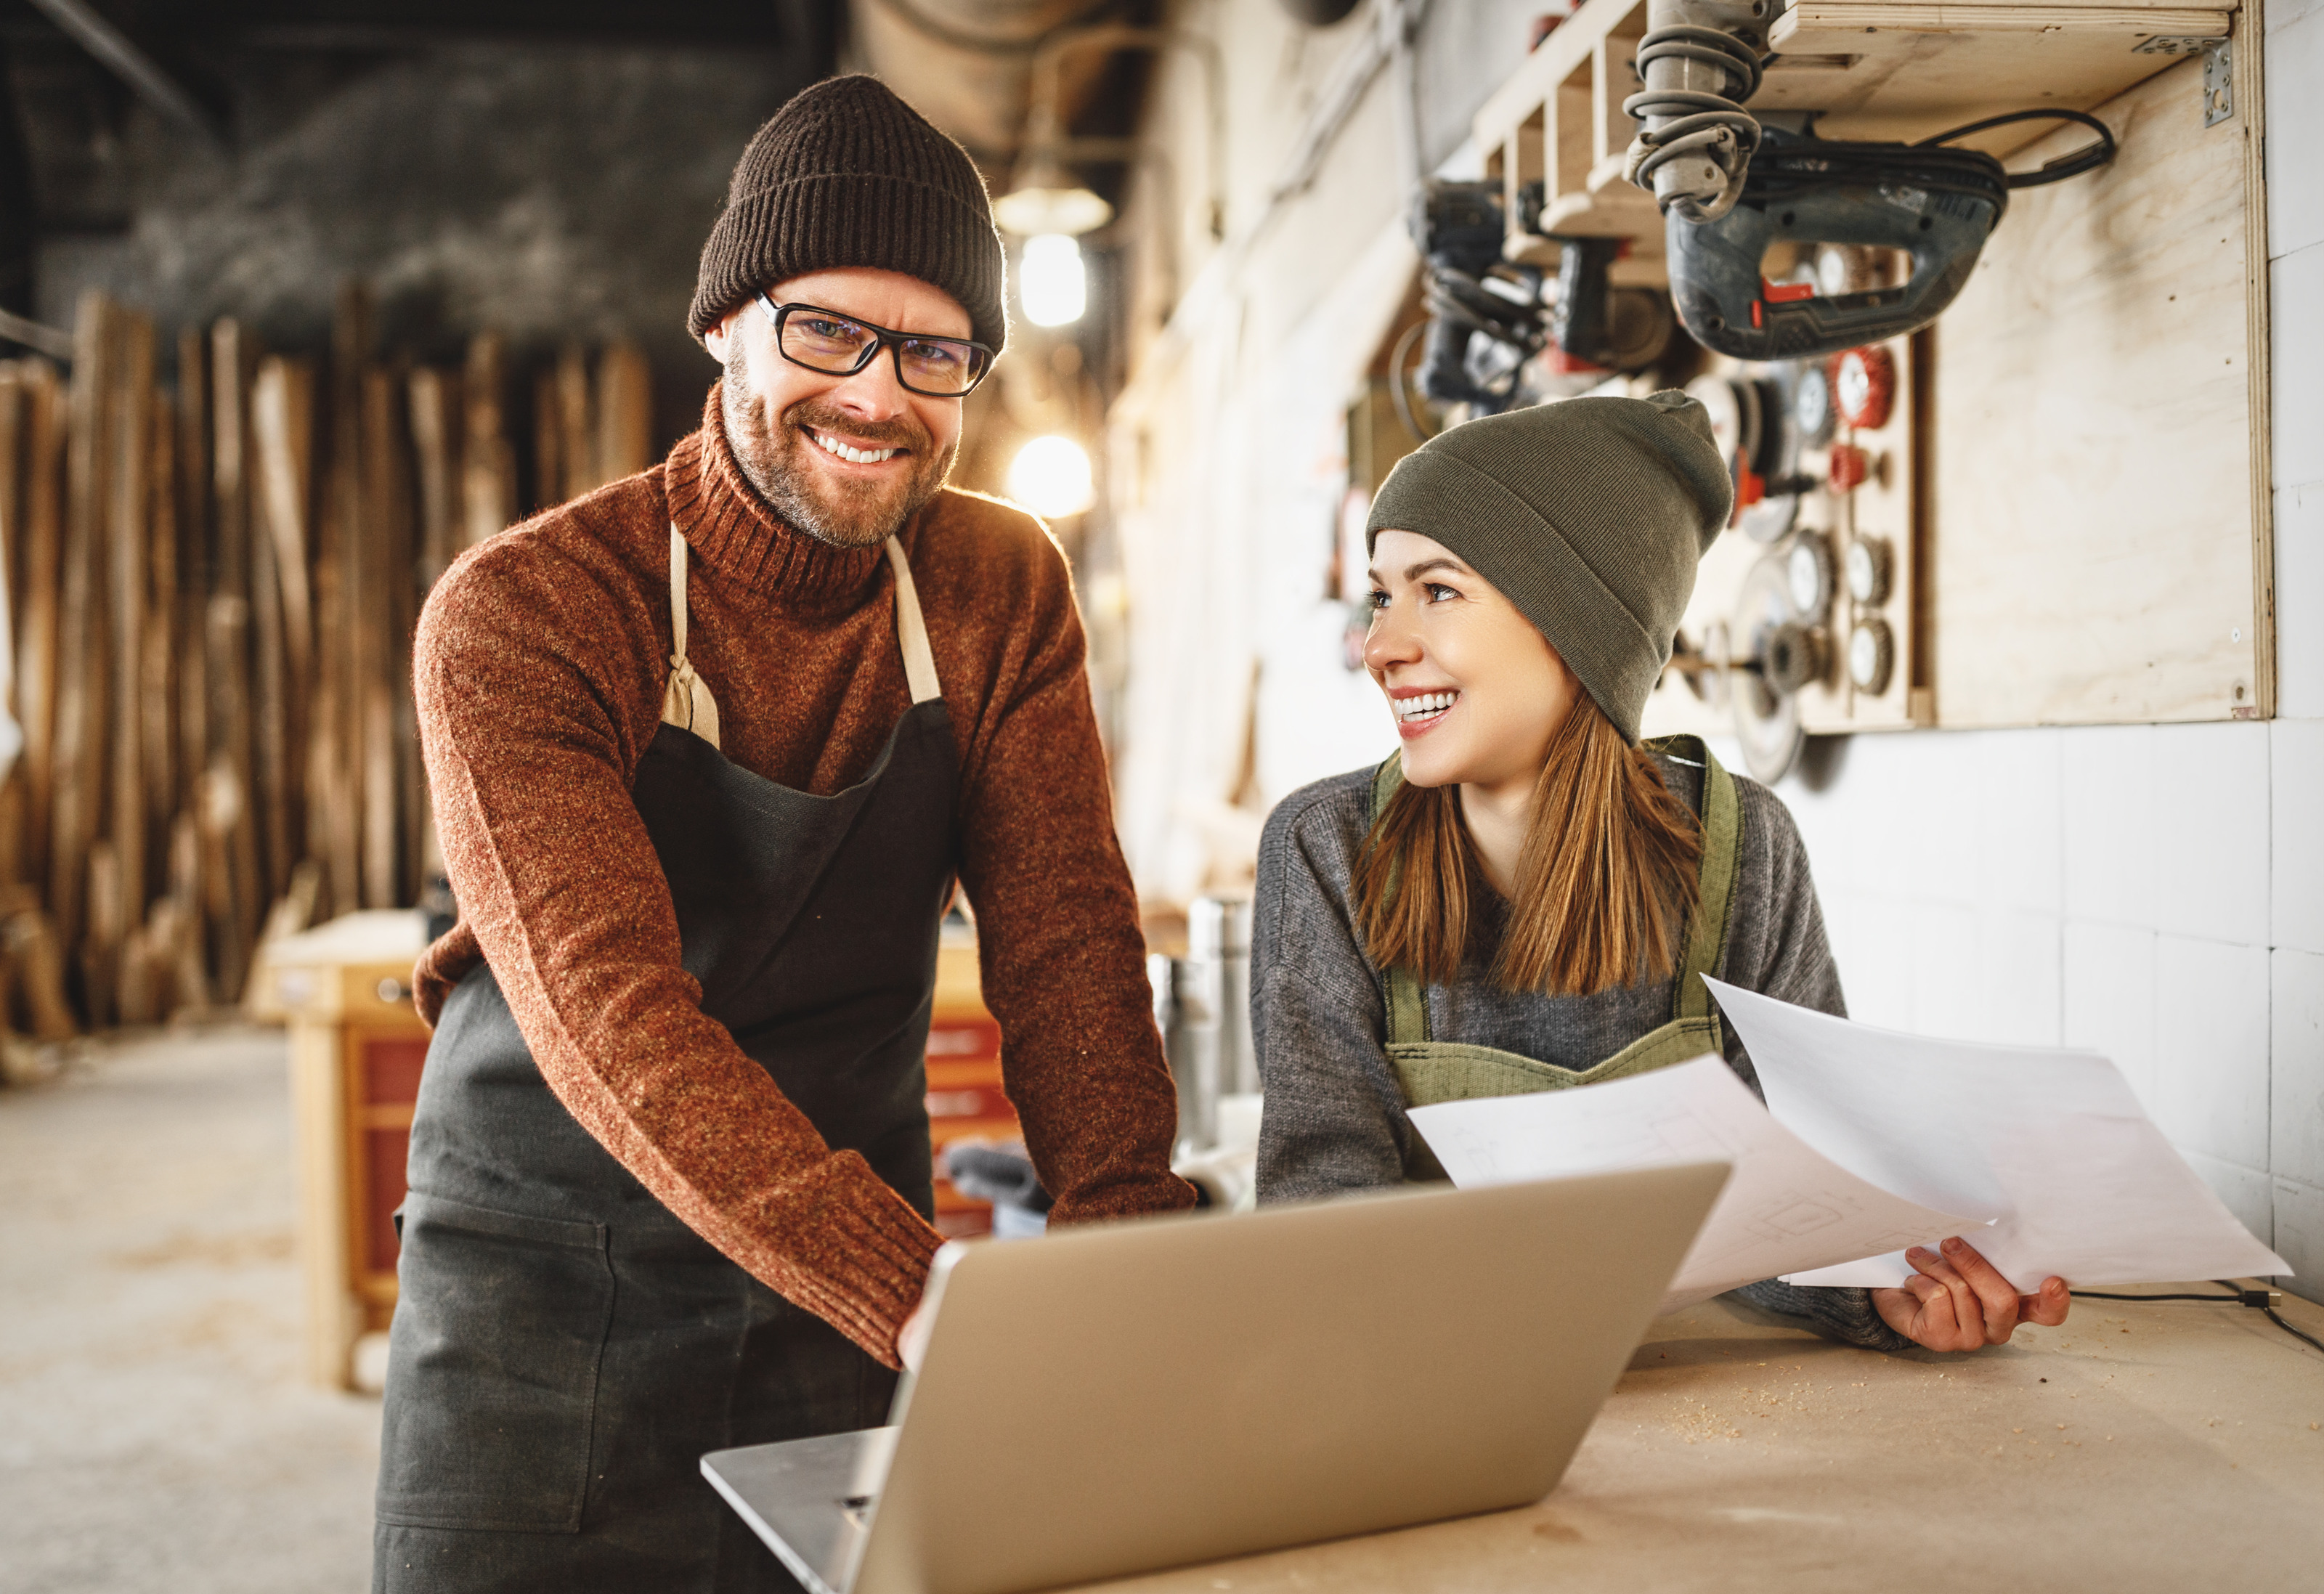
{"x": 2153, "y": 891}
{"x": 2293, "y": 59}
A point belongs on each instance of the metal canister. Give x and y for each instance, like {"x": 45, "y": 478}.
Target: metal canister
{"x": 1209, "y": 1034}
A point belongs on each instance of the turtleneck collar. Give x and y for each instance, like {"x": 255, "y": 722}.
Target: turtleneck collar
{"x": 725, "y": 521}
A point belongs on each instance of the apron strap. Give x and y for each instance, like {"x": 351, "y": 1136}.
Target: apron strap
{"x": 912, "y": 630}
{"x": 685, "y": 700}
{"x": 1722, "y": 832}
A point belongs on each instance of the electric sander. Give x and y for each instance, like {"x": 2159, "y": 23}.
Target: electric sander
{"x": 1934, "y": 205}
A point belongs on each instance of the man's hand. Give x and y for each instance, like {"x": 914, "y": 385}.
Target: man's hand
{"x": 912, "y": 1339}
{"x": 1959, "y": 1301}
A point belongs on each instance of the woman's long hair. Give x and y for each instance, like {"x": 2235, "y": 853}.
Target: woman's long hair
{"x": 1606, "y": 882}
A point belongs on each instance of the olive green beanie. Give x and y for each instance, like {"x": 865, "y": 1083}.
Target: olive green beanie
{"x": 1590, "y": 515}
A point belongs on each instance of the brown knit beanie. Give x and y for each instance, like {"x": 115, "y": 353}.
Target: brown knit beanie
{"x": 848, "y": 174}
{"x": 1590, "y": 515}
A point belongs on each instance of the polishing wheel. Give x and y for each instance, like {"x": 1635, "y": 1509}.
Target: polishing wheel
{"x": 1864, "y": 381}
{"x": 1812, "y": 408}
{"x": 1869, "y": 570}
{"x": 1808, "y": 568}
{"x": 1871, "y": 655}
{"x": 1771, "y": 642}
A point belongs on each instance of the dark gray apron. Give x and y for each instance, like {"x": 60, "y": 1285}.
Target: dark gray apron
{"x": 564, "y": 1349}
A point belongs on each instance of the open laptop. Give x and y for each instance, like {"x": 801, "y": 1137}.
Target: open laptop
{"x": 1136, "y": 1396}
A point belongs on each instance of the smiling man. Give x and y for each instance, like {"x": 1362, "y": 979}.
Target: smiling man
{"x": 709, "y": 750}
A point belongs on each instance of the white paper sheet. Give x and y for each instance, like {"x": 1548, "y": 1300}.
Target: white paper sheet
{"x": 2053, "y": 1143}
{"x": 1785, "y": 1208}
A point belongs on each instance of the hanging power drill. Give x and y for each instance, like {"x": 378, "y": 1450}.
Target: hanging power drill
{"x": 1470, "y": 291}
{"x": 1729, "y": 189}
{"x": 1457, "y": 227}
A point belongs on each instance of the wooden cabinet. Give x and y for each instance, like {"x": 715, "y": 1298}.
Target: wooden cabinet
{"x": 965, "y": 1096}
{"x": 356, "y": 1048}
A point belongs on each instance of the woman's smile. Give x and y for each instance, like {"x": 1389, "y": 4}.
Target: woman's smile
{"x": 1421, "y": 709}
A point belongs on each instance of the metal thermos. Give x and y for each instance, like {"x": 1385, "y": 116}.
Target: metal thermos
{"x": 1208, "y": 1029}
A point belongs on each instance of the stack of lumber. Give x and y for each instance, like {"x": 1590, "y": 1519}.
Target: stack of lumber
{"x": 211, "y": 598}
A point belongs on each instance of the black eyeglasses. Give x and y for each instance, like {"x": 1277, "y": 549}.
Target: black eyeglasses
{"x": 840, "y": 345}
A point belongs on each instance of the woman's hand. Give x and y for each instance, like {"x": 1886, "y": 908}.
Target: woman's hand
{"x": 1958, "y": 1301}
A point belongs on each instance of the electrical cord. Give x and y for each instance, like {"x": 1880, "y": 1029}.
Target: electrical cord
{"x": 2073, "y": 163}
{"x": 1399, "y": 382}
{"x": 1699, "y": 120}
{"x": 1455, "y": 296}
{"x": 2260, "y": 1300}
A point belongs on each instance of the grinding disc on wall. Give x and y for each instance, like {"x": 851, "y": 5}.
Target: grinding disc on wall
{"x": 1767, "y": 717}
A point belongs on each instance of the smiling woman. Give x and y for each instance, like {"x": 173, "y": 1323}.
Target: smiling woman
{"x": 1526, "y": 896}
{"x": 1506, "y": 759}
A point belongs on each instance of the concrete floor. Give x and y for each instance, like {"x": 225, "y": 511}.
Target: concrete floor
{"x": 154, "y": 1432}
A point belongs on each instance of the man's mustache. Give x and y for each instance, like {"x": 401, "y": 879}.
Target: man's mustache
{"x": 899, "y": 433}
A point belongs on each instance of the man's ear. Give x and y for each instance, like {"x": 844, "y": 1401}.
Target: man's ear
{"x": 715, "y": 338}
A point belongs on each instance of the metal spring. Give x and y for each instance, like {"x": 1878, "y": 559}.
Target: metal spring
{"x": 1699, "y": 119}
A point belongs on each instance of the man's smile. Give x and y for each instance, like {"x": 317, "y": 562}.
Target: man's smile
{"x": 853, "y": 452}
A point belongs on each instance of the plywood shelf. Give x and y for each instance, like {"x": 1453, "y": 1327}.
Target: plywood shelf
{"x": 1905, "y": 72}
{"x": 1870, "y": 70}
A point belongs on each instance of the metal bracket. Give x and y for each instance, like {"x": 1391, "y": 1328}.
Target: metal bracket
{"x": 2219, "y": 69}
{"x": 2218, "y": 81}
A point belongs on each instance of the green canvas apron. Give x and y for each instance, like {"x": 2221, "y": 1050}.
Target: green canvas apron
{"x": 1430, "y": 1071}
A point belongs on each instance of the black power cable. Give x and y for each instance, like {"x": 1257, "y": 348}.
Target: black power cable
{"x": 2073, "y": 163}
{"x": 1399, "y": 383}
{"x": 2259, "y": 1300}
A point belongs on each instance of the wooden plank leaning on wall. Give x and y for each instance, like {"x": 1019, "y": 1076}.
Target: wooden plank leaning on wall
{"x": 206, "y": 639}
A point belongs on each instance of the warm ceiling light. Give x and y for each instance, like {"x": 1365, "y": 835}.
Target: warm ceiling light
{"x": 1046, "y": 199}
{"x": 1051, "y": 284}
{"x": 1029, "y": 212}
{"x": 1051, "y": 476}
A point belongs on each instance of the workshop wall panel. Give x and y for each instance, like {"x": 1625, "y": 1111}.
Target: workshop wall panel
{"x": 2210, "y": 831}
{"x": 2017, "y": 983}
{"x": 2296, "y": 315}
{"x": 2106, "y": 775}
{"x": 2079, "y": 578}
{"x": 1871, "y": 938}
{"x": 2296, "y": 1063}
{"x": 2300, "y": 601}
{"x": 2296, "y": 853}
{"x": 2107, "y": 980}
{"x": 2298, "y": 1240}
{"x": 1938, "y": 784}
{"x": 2248, "y": 1192}
{"x": 1946, "y": 997}
{"x": 2020, "y": 860}
{"x": 2210, "y": 1047}
{"x": 2295, "y": 127}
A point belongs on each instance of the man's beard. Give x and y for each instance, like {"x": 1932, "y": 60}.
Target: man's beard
{"x": 770, "y": 450}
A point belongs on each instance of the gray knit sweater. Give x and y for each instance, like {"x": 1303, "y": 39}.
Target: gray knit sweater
{"x": 1334, "y": 1118}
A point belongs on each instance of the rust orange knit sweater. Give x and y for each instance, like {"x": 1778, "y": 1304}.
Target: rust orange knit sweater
{"x": 540, "y": 668}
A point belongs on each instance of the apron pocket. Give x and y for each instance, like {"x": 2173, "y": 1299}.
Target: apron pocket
{"x": 492, "y": 1359}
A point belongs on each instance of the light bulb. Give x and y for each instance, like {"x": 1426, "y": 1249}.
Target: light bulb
{"x": 1051, "y": 476}
{"x": 1051, "y": 284}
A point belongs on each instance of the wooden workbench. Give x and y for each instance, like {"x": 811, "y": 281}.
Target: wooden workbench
{"x": 2139, "y": 1447}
